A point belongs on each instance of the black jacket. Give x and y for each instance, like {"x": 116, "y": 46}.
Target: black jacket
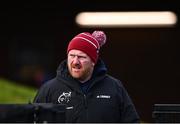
{"x": 103, "y": 100}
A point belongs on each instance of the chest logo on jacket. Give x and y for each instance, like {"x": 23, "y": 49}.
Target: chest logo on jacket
{"x": 64, "y": 97}
{"x": 103, "y": 96}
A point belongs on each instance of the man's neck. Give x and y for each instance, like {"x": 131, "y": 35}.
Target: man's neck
{"x": 88, "y": 78}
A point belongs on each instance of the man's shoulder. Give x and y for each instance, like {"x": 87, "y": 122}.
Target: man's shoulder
{"x": 50, "y": 83}
{"x": 114, "y": 80}
{"x": 109, "y": 77}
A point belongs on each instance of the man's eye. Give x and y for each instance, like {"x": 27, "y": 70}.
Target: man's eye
{"x": 71, "y": 55}
{"x": 83, "y": 57}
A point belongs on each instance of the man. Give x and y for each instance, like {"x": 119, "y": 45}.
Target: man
{"x": 82, "y": 83}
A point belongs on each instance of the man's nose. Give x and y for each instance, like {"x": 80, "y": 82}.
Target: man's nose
{"x": 76, "y": 60}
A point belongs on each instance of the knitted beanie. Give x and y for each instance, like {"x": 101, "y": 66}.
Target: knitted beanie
{"x": 88, "y": 43}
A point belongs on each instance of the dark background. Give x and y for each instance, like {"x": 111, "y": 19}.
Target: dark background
{"x": 34, "y": 36}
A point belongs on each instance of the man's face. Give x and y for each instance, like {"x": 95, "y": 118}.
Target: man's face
{"x": 80, "y": 65}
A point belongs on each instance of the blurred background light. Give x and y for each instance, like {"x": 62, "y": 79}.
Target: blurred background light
{"x": 127, "y": 19}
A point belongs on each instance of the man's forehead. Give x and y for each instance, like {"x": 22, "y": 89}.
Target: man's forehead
{"x": 77, "y": 52}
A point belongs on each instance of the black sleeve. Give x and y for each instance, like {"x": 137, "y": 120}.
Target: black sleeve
{"x": 128, "y": 111}
{"x": 42, "y": 94}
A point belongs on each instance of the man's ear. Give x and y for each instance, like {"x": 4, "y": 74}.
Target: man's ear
{"x": 93, "y": 64}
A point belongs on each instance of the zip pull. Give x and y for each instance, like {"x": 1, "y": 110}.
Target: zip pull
{"x": 85, "y": 101}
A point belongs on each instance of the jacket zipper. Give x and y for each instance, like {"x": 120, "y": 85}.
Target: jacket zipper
{"x": 73, "y": 118}
{"x": 86, "y": 107}
{"x": 85, "y": 101}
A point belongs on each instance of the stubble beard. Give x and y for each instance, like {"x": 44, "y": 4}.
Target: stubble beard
{"x": 83, "y": 74}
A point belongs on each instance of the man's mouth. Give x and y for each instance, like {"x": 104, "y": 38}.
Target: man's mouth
{"x": 76, "y": 66}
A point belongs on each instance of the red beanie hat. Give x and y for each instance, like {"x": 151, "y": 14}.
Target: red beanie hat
{"x": 88, "y": 43}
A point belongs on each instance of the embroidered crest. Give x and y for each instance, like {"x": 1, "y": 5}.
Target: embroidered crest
{"x": 64, "y": 97}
